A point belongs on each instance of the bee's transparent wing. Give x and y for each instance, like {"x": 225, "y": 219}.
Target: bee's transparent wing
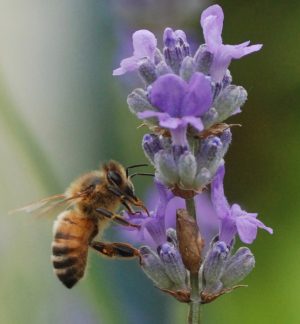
{"x": 48, "y": 204}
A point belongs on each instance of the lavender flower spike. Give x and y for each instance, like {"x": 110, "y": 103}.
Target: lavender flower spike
{"x": 212, "y": 25}
{"x": 144, "y": 45}
{"x": 179, "y": 103}
{"x": 233, "y": 219}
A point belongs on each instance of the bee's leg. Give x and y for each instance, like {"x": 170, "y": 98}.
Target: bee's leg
{"x": 119, "y": 194}
{"x": 124, "y": 201}
{"x": 115, "y": 250}
{"x": 116, "y": 218}
{"x": 128, "y": 207}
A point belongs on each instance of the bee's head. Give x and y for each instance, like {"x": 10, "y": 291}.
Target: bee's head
{"x": 118, "y": 178}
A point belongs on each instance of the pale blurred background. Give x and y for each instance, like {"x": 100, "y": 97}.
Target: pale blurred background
{"x": 62, "y": 112}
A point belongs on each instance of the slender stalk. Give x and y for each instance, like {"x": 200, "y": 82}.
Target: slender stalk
{"x": 194, "y": 316}
{"x": 190, "y": 207}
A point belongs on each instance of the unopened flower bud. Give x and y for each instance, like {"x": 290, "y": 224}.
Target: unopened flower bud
{"x": 172, "y": 236}
{"x": 226, "y": 138}
{"x": 213, "y": 287}
{"x": 214, "y": 263}
{"x": 203, "y": 177}
{"x": 187, "y": 68}
{"x": 169, "y": 38}
{"x": 187, "y": 168}
{"x": 163, "y": 68}
{"x": 182, "y": 42}
{"x": 177, "y": 151}
{"x": 210, "y": 153}
{"x": 210, "y": 117}
{"x": 166, "y": 167}
{"x": 217, "y": 87}
{"x": 203, "y": 59}
{"x": 154, "y": 268}
{"x": 189, "y": 241}
{"x": 229, "y": 101}
{"x": 238, "y": 267}
{"x": 138, "y": 101}
{"x": 174, "y": 267}
{"x": 151, "y": 145}
{"x": 147, "y": 70}
{"x": 176, "y": 48}
{"x": 227, "y": 79}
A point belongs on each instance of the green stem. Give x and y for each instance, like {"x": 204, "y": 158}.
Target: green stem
{"x": 190, "y": 207}
{"x": 194, "y": 316}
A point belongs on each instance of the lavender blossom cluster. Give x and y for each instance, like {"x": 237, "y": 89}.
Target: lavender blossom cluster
{"x": 185, "y": 95}
{"x": 184, "y": 101}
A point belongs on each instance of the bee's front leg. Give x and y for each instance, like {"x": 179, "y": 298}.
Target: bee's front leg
{"x": 115, "y": 250}
{"x": 123, "y": 199}
{"x": 116, "y": 218}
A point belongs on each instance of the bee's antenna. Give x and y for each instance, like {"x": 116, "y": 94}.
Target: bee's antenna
{"x": 143, "y": 174}
{"x": 134, "y": 166}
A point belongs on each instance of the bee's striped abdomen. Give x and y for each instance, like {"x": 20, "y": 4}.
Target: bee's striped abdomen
{"x": 72, "y": 235}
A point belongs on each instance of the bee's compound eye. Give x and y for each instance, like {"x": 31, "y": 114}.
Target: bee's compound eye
{"x": 115, "y": 177}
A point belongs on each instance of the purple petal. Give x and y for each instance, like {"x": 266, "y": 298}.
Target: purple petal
{"x": 206, "y": 217}
{"x": 150, "y": 113}
{"x": 227, "y": 230}
{"x": 171, "y": 123}
{"x": 127, "y": 65}
{"x": 144, "y": 44}
{"x": 219, "y": 200}
{"x": 221, "y": 61}
{"x": 167, "y": 94}
{"x": 198, "y": 98}
{"x": 169, "y": 37}
{"x": 156, "y": 229}
{"x": 165, "y": 195}
{"x": 164, "y": 119}
{"x": 225, "y": 53}
{"x": 195, "y": 122}
{"x": 170, "y": 216}
{"x": 260, "y": 224}
{"x": 247, "y": 230}
{"x": 240, "y": 50}
{"x": 178, "y": 134}
{"x": 180, "y": 34}
{"x": 236, "y": 211}
{"x": 247, "y": 227}
{"x": 245, "y": 44}
{"x": 212, "y": 24}
{"x": 163, "y": 192}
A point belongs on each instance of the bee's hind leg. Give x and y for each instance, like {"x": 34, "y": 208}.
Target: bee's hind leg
{"x": 116, "y": 218}
{"x": 115, "y": 250}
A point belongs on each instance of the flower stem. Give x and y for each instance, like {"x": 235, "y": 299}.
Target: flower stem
{"x": 190, "y": 207}
{"x": 195, "y": 304}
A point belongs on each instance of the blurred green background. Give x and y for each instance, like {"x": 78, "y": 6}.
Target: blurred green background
{"x": 62, "y": 112}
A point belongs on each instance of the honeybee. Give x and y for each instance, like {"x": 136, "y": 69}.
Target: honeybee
{"x": 90, "y": 204}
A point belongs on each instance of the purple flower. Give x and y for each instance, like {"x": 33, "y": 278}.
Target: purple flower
{"x": 179, "y": 103}
{"x": 144, "y": 45}
{"x": 153, "y": 229}
{"x": 233, "y": 219}
{"x": 212, "y": 25}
